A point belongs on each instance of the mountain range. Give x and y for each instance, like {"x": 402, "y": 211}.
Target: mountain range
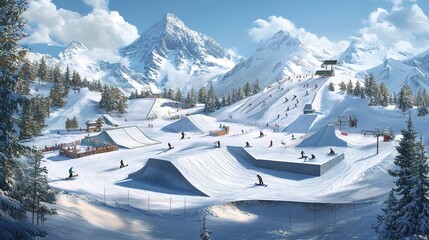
{"x": 169, "y": 54}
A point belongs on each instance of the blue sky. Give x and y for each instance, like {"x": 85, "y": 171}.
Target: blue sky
{"x": 234, "y": 25}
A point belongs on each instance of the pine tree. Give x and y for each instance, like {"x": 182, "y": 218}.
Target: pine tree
{"x": 422, "y": 102}
{"x": 76, "y": 80}
{"x": 343, "y": 87}
{"x": 202, "y": 95}
{"x": 67, "y": 78}
{"x": 122, "y": 104}
{"x": 256, "y": 87}
{"x": 99, "y": 124}
{"x": 405, "y": 100}
{"x": 331, "y": 87}
{"x": 211, "y": 101}
{"x": 357, "y": 91}
{"x": 407, "y": 211}
{"x": 11, "y": 66}
{"x": 43, "y": 70}
{"x": 26, "y": 123}
{"x": 57, "y": 92}
{"x": 350, "y": 87}
{"x": 385, "y": 96}
{"x": 247, "y": 89}
{"x": 33, "y": 189}
{"x": 73, "y": 123}
{"x": 68, "y": 124}
{"x": 370, "y": 85}
{"x": 178, "y": 96}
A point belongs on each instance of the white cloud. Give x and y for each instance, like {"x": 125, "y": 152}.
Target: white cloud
{"x": 265, "y": 29}
{"x": 98, "y": 4}
{"x": 403, "y": 28}
{"x": 100, "y": 28}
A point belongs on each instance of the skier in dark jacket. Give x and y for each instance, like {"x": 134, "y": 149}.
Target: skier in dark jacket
{"x": 183, "y": 135}
{"x": 122, "y": 164}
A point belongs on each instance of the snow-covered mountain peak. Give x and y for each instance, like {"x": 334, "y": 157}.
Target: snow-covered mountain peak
{"x": 171, "y": 54}
{"x": 73, "y": 49}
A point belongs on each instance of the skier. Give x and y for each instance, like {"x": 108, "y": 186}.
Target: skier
{"x": 287, "y": 108}
{"x": 286, "y": 99}
{"x": 169, "y": 146}
{"x": 71, "y": 172}
{"x": 218, "y": 143}
{"x": 293, "y": 137}
{"x": 122, "y": 164}
{"x": 261, "y": 134}
{"x": 331, "y": 152}
{"x": 183, "y": 135}
{"x": 247, "y": 144}
{"x": 312, "y": 156}
{"x": 271, "y": 143}
{"x": 260, "y": 180}
{"x": 278, "y": 116}
{"x": 302, "y": 154}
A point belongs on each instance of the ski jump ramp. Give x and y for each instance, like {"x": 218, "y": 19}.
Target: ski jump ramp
{"x": 127, "y": 137}
{"x": 301, "y": 124}
{"x": 206, "y": 173}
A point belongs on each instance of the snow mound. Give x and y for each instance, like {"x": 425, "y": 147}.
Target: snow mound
{"x": 324, "y": 137}
{"x": 165, "y": 174}
{"x": 192, "y": 123}
{"x": 127, "y": 137}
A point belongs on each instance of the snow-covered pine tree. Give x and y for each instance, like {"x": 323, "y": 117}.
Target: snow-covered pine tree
{"x": 408, "y": 215}
{"x": 68, "y": 124}
{"x": 57, "y": 91}
{"x": 76, "y": 80}
{"x": 41, "y": 106}
{"x": 73, "y": 123}
{"x": 99, "y": 124}
{"x": 358, "y": 89}
{"x": 370, "y": 85}
{"x": 422, "y": 102}
{"x": 210, "y": 102}
{"x": 385, "y": 96}
{"x": 26, "y": 122}
{"x": 256, "y": 87}
{"x": 247, "y": 89}
{"x": 405, "y": 100}
{"x": 43, "y": 72}
{"x": 331, "y": 87}
{"x": 376, "y": 97}
{"x": 202, "y": 95}
{"x": 350, "y": 87}
{"x": 12, "y": 57}
{"x": 343, "y": 87}
{"x": 122, "y": 104}
{"x": 32, "y": 188}
{"x": 178, "y": 95}
{"x": 67, "y": 79}
{"x": 240, "y": 93}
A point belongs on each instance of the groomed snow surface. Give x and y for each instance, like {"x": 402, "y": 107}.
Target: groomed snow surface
{"x": 164, "y": 194}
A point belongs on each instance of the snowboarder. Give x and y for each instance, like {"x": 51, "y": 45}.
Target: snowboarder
{"x": 331, "y": 152}
{"x": 287, "y": 108}
{"x": 294, "y": 96}
{"x": 122, "y": 164}
{"x": 71, "y": 172}
{"x": 278, "y": 116}
{"x": 261, "y": 134}
{"x": 312, "y": 156}
{"x": 218, "y": 144}
{"x": 247, "y": 144}
{"x": 302, "y": 154}
{"x": 286, "y": 99}
{"x": 271, "y": 143}
{"x": 260, "y": 180}
{"x": 183, "y": 136}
